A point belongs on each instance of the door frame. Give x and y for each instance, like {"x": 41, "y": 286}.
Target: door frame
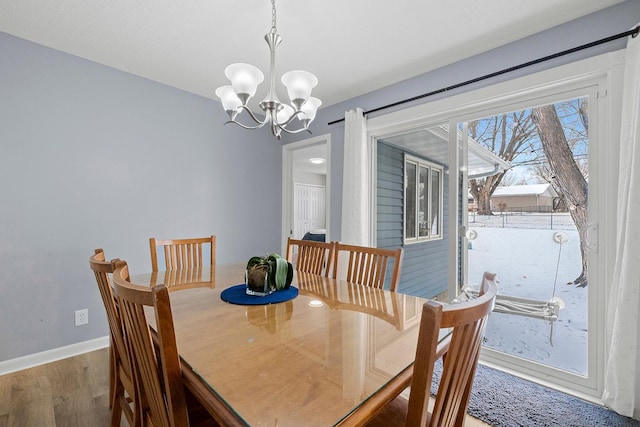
{"x": 605, "y": 71}
{"x": 287, "y": 184}
{"x": 587, "y": 385}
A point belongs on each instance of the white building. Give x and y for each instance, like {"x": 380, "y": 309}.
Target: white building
{"x": 528, "y": 198}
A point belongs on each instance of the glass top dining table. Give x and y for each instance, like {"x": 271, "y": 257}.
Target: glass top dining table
{"x": 333, "y": 355}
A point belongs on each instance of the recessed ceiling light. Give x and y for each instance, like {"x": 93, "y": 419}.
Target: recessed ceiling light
{"x": 316, "y": 160}
{"x": 316, "y": 303}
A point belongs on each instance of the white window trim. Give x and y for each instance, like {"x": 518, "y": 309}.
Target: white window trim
{"x": 420, "y": 162}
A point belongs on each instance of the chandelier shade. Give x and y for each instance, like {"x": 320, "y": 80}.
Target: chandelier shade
{"x": 284, "y": 114}
{"x": 230, "y": 101}
{"x": 299, "y": 85}
{"x": 246, "y": 78}
{"x": 310, "y": 108}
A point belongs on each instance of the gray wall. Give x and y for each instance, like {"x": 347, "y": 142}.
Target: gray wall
{"x": 94, "y": 157}
{"x": 615, "y": 19}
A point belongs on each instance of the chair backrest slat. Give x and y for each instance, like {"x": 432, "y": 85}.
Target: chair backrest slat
{"x": 368, "y": 266}
{"x": 182, "y": 253}
{"x": 313, "y": 257}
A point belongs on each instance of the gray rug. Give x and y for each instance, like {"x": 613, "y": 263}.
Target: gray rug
{"x": 503, "y": 400}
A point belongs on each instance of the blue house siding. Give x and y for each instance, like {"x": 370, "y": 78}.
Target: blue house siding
{"x": 425, "y": 265}
{"x": 390, "y": 191}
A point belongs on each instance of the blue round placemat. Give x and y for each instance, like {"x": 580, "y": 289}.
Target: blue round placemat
{"x": 237, "y": 295}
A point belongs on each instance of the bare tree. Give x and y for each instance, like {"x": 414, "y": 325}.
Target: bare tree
{"x": 509, "y": 180}
{"x": 573, "y": 115}
{"x": 510, "y": 136}
{"x": 565, "y": 173}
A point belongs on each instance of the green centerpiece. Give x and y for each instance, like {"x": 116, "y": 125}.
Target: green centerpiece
{"x": 268, "y": 274}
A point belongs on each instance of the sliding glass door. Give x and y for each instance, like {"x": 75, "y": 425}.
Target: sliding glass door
{"x": 531, "y": 224}
{"x": 529, "y": 192}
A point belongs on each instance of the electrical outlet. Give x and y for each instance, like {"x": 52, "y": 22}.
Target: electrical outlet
{"x": 82, "y": 317}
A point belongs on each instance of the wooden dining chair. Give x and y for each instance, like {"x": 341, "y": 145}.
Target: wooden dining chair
{"x": 312, "y": 257}
{"x": 182, "y": 253}
{"x": 467, "y": 320}
{"x": 368, "y": 266}
{"x": 156, "y": 367}
{"x": 122, "y": 396}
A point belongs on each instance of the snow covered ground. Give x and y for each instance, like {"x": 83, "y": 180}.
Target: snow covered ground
{"x": 525, "y": 257}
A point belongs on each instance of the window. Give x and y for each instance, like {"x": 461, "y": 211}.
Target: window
{"x": 422, "y": 200}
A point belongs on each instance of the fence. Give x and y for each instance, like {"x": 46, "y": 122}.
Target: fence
{"x": 529, "y": 209}
{"x": 523, "y": 219}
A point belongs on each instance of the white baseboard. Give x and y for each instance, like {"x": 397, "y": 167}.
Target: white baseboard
{"x": 36, "y": 359}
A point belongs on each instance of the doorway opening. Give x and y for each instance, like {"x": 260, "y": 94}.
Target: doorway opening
{"x": 306, "y": 189}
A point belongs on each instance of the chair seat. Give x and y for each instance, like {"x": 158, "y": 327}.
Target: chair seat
{"x": 198, "y": 415}
{"x": 392, "y": 415}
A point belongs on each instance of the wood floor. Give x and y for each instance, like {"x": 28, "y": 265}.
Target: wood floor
{"x": 69, "y": 393}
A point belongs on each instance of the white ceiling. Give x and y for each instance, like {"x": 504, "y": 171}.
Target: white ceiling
{"x": 353, "y": 46}
{"x": 301, "y": 158}
{"x": 432, "y": 142}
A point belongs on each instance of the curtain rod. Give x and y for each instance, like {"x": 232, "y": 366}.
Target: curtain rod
{"x": 633, "y": 33}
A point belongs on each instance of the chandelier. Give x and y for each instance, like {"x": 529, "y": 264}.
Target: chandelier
{"x": 245, "y": 79}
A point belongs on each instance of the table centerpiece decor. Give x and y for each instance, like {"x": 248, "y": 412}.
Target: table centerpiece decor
{"x": 268, "y": 274}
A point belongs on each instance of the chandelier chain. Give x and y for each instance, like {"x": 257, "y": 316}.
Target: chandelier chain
{"x": 273, "y": 17}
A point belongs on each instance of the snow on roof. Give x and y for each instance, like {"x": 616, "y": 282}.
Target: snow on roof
{"x": 525, "y": 190}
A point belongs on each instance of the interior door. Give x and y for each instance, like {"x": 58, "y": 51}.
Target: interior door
{"x": 309, "y": 209}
